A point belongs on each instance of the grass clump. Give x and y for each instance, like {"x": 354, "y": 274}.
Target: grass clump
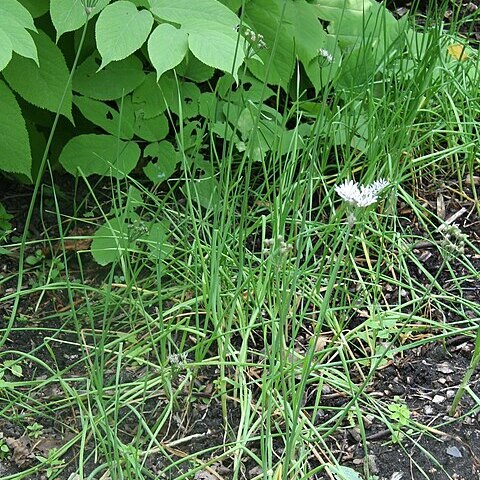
{"x": 243, "y": 316}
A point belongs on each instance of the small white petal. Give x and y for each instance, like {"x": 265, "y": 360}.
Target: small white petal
{"x": 348, "y": 191}
{"x": 360, "y": 196}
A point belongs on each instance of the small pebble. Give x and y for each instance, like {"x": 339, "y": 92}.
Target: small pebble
{"x": 438, "y": 399}
{"x": 444, "y": 368}
{"x": 372, "y": 463}
{"x": 454, "y": 452}
{"x": 428, "y": 410}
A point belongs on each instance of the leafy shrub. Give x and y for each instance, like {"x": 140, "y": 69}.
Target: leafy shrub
{"x": 144, "y": 67}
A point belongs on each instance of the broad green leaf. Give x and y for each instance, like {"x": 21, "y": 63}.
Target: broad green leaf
{"x": 186, "y": 11}
{"x": 265, "y": 17}
{"x": 114, "y": 81}
{"x": 151, "y": 129}
{"x": 211, "y": 28}
{"x": 252, "y": 89}
{"x": 209, "y": 106}
{"x": 113, "y": 239}
{"x": 164, "y": 163}
{"x": 167, "y": 46}
{"x": 157, "y": 240}
{"x": 321, "y": 70}
{"x": 310, "y": 39}
{"x": 357, "y": 68}
{"x": 69, "y": 15}
{"x": 194, "y": 69}
{"x": 6, "y": 50}
{"x": 189, "y": 97}
{"x": 15, "y": 20}
{"x": 37, "y": 8}
{"x": 38, "y": 142}
{"x": 245, "y": 122}
{"x": 42, "y": 86}
{"x": 256, "y": 141}
{"x": 14, "y": 11}
{"x": 110, "y": 241}
{"x": 233, "y": 5}
{"x": 141, "y": 3}
{"x": 355, "y": 22}
{"x": 344, "y": 473}
{"x": 308, "y": 31}
{"x": 14, "y": 143}
{"x": 115, "y": 122}
{"x": 100, "y": 155}
{"x": 215, "y": 46}
{"x": 121, "y": 30}
{"x": 5, "y": 218}
{"x": 151, "y": 96}
{"x": 133, "y": 202}
{"x": 204, "y": 191}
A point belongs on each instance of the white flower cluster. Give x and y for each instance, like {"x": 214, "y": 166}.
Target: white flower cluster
{"x": 322, "y": 52}
{"x": 453, "y": 239}
{"x": 178, "y": 359}
{"x": 284, "y": 247}
{"x": 256, "y": 38}
{"x": 360, "y": 195}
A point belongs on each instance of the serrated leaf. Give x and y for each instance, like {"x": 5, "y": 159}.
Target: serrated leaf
{"x": 15, "y": 20}
{"x": 106, "y": 117}
{"x": 182, "y": 11}
{"x": 6, "y": 50}
{"x": 167, "y": 46}
{"x": 14, "y": 11}
{"x": 110, "y": 241}
{"x": 211, "y": 28}
{"x": 114, "y": 81}
{"x": 164, "y": 163}
{"x": 43, "y": 86}
{"x": 69, "y": 15}
{"x": 14, "y": 143}
{"x": 37, "y": 8}
{"x": 100, "y": 155}
{"x": 121, "y": 30}
{"x": 214, "y": 46}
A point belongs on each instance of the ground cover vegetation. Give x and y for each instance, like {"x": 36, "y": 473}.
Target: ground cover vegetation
{"x": 240, "y": 240}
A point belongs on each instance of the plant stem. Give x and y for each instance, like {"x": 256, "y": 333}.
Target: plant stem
{"x": 36, "y": 188}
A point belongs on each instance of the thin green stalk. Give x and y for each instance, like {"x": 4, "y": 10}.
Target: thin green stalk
{"x": 468, "y": 374}
{"x": 308, "y": 361}
{"x": 36, "y": 189}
